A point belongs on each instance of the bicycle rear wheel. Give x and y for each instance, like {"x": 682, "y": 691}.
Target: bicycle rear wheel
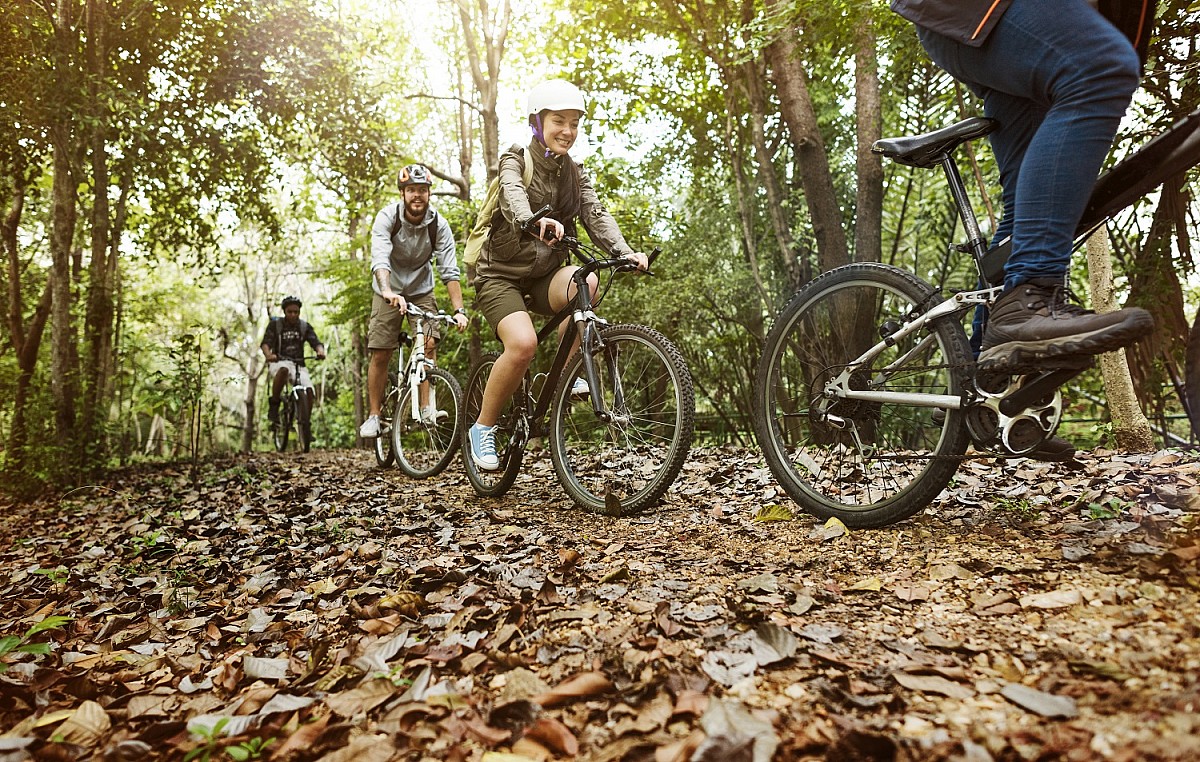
{"x": 511, "y": 432}
{"x": 425, "y": 447}
{"x": 624, "y": 465}
{"x": 385, "y": 454}
{"x": 867, "y": 463}
{"x": 283, "y": 429}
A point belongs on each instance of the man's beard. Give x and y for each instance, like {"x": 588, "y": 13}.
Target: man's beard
{"x": 412, "y": 212}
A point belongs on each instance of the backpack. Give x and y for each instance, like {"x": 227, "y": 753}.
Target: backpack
{"x": 432, "y": 227}
{"x": 483, "y": 223}
{"x": 276, "y": 324}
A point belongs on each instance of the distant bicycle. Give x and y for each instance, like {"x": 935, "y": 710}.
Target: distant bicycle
{"x": 617, "y": 451}
{"x": 295, "y": 410}
{"x": 419, "y": 417}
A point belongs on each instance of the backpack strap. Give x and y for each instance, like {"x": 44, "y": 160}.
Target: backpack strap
{"x": 432, "y": 227}
{"x": 527, "y": 173}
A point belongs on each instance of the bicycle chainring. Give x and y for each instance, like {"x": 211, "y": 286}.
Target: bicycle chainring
{"x": 1015, "y": 435}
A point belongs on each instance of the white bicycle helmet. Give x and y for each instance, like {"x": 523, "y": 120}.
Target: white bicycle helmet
{"x": 555, "y": 95}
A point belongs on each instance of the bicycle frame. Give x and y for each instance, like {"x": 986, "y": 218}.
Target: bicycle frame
{"x": 839, "y": 386}
{"x": 583, "y": 322}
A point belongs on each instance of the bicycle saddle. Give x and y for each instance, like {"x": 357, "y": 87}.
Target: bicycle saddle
{"x": 930, "y": 149}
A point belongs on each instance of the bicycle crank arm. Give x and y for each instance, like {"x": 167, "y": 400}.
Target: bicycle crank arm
{"x": 1041, "y": 386}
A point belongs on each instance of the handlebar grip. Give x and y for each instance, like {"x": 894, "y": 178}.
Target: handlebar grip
{"x": 540, "y": 213}
{"x": 653, "y": 256}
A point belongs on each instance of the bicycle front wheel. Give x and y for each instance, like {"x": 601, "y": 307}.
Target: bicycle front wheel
{"x": 303, "y": 421}
{"x": 868, "y": 463}
{"x": 283, "y": 429}
{"x": 425, "y": 444}
{"x": 385, "y": 454}
{"x": 511, "y": 432}
{"x": 625, "y": 464}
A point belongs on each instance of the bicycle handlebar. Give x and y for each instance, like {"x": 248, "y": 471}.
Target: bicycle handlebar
{"x": 587, "y": 253}
{"x": 439, "y": 316}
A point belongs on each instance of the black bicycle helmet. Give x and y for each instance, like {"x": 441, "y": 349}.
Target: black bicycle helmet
{"x": 291, "y": 300}
{"x": 413, "y": 174}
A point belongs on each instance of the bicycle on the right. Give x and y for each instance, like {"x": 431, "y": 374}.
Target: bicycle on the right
{"x": 867, "y": 394}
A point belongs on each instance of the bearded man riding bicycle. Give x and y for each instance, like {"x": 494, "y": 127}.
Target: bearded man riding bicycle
{"x": 283, "y": 346}
{"x": 405, "y": 240}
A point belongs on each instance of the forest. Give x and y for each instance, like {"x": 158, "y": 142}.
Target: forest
{"x": 170, "y": 169}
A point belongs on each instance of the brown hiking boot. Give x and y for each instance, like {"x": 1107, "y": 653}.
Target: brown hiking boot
{"x": 1033, "y": 327}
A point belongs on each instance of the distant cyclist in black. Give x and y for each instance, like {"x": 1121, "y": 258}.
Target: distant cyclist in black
{"x": 284, "y": 340}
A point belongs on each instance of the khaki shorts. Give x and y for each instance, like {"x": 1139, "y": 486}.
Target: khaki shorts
{"x": 383, "y": 332}
{"x": 497, "y": 298}
{"x": 304, "y": 380}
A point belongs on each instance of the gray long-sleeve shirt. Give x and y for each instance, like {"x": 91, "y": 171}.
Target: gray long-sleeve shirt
{"x": 407, "y": 256}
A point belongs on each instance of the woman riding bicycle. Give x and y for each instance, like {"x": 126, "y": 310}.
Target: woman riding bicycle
{"x": 514, "y": 267}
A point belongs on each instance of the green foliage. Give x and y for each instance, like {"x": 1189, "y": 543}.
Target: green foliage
{"x": 252, "y": 749}
{"x": 209, "y": 737}
{"x": 1105, "y": 509}
{"x": 1020, "y": 508}
{"x": 23, "y": 644}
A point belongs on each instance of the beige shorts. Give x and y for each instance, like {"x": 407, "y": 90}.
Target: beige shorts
{"x": 294, "y": 370}
{"x": 497, "y": 298}
{"x": 383, "y": 332}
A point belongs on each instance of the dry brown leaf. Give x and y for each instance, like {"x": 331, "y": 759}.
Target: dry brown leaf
{"x": 579, "y": 686}
{"x": 554, "y": 735}
{"x": 933, "y": 684}
{"x": 87, "y": 726}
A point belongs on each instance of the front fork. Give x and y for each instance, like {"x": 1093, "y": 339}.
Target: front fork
{"x": 591, "y": 346}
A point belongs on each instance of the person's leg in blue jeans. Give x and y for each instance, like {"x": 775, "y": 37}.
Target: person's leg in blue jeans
{"x": 1058, "y": 77}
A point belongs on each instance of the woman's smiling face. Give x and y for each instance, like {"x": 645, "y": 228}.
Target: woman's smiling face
{"x": 560, "y": 128}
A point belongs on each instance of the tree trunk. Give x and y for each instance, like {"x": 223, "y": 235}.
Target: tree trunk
{"x": 99, "y": 319}
{"x": 484, "y": 60}
{"x": 868, "y": 224}
{"x": 63, "y": 368}
{"x": 26, "y": 339}
{"x": 812, "y": 161}
{"x": 1130, "y": 427}
{"x": 776, "y": 199}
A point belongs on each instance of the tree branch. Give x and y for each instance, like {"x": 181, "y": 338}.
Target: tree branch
{"x": 455, "y": 98}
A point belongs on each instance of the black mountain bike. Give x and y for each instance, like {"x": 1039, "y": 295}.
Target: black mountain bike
{"x": 295, "y": 411}
{"x": 867, "y": 393}
{"x": 618, "y": 451}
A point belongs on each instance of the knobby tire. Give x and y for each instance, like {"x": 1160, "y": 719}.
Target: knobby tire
{"x": 384, "y": 452}
{"x": 511, "y": 432}
{"x": 303, "y": 421}
{"x": 283, "y": 429}
{"x": 868, "y": 464}
{"x": 423, "y": 449}
{"x": 625, "y": 465}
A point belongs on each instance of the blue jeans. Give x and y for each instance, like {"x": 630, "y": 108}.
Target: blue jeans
{"x": 1058, "y": 77}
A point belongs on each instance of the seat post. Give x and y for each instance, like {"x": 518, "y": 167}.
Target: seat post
{"x": 976, "y": 245}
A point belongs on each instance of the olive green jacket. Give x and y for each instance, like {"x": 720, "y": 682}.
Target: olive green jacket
{"x": 511, "y": 255}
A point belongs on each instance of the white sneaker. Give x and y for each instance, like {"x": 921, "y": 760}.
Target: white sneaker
{"x": 369, "y": 428}
{"x": 431, "y": 416}
{"x": 580, "y": 389}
